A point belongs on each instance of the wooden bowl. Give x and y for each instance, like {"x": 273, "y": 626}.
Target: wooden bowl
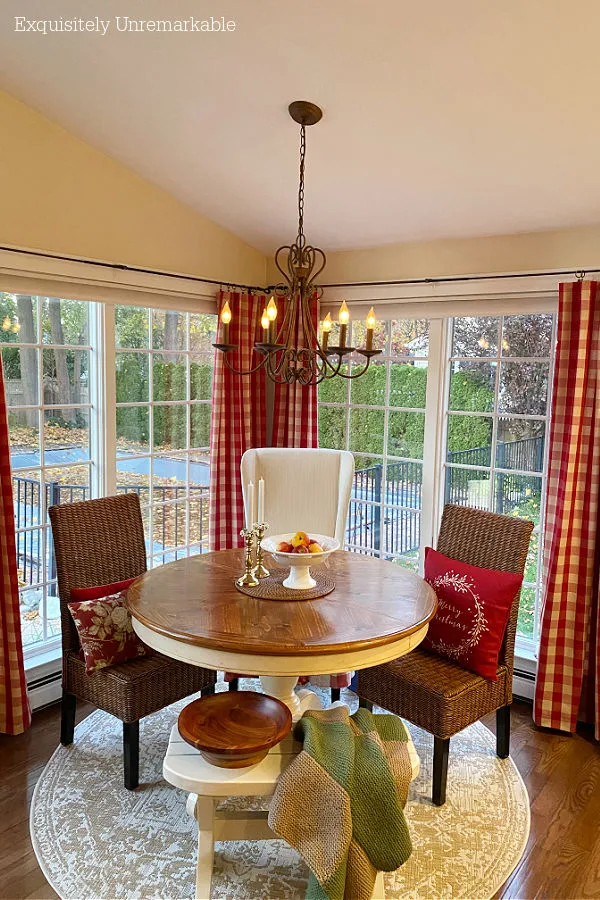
{"x": 236, "y": 728}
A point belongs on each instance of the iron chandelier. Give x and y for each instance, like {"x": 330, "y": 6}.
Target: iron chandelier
{"x": 294, "y": 352}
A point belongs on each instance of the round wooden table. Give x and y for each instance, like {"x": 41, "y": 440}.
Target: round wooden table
{"x": 191, "y": 610}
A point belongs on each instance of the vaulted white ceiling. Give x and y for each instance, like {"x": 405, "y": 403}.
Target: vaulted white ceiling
{"x": 442, "y": 118}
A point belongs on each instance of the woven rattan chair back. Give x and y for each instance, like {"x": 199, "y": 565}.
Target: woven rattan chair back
{"x": 491, "y": 541}
{"x": 96, "y": 542}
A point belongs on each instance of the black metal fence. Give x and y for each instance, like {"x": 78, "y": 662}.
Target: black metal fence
{"x": 390, "y": 524}
{"x": 509, "y": 490}
{"x": 382, "y": 521}
{"x": 169, "y": 526}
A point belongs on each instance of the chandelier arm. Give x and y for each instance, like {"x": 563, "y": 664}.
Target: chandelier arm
{"x": 358, "y": 374}
{"x": 285, "y": 325}
{"x": 249, "y": 371}
{"x": 275, "y": 372}
{"x": 310, "y": 330}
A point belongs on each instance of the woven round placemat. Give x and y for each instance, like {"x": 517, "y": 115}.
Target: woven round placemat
{"x": 271, "y": 588}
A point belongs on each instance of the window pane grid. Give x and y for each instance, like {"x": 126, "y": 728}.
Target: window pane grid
{"x": 512, "y": 463}
{"x": 168, "y": 406}
{"x": 369, "y": 418}
{"x": 51, "y": 416}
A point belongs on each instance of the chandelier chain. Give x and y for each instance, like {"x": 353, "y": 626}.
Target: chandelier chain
{"x": 301, "y": 239}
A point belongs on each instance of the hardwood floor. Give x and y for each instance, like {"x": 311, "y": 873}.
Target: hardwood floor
{"x": 562, "y": 774}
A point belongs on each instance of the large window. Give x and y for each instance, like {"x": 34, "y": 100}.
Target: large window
{"x": 497, "y": 422}
{"x": 486, "y": 414}
{"x": 164, "y": 363}
{"x": 46, "y": 355}
{"x": 155, "y": 441}
{"x": 380, "y": 417}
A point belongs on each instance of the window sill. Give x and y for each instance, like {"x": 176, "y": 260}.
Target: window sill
{"x": 40, "y": 665}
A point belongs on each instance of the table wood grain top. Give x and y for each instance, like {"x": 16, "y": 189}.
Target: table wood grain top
{"x": 194, "y": 600}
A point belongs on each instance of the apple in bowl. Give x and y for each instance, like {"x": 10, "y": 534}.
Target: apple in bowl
{"x": 300, "y": 551}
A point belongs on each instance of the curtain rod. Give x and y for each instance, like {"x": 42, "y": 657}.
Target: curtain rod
{"x": 123, "y": 268}
{"x": 579, "y": 273}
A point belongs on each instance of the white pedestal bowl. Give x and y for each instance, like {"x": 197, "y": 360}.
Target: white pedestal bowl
{"x": 300, "y": 563}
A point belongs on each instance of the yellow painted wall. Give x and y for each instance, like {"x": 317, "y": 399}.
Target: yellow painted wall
{"x": 541, "y": 250}
{"x": 60, "y": 195}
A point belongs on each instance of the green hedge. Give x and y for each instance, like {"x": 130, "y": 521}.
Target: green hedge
{"x": 169, "y": 383}
{"x": 408, "y": 387}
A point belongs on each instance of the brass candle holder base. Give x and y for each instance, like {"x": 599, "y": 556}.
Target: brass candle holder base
{"x": 248, "y": 578}
{"x": 260, "y": 570}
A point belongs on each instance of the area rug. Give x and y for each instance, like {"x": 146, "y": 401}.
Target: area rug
{"x": 94, "y": 839}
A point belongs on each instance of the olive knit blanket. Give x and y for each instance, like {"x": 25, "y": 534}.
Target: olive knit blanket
{"x": 340, "y": 802}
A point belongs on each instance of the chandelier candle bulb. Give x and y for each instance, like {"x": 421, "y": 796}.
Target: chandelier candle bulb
{"x": 225, "y": 320}
{"x": 264, "y": 321}
{"x": 344, "y": 317}
{"x": 371, "y": 322}
{"x": 271, "y": 311}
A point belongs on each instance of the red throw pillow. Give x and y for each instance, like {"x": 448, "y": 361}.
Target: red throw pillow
{"x": 473, "y": 611}
{"x": 104, "y": 626}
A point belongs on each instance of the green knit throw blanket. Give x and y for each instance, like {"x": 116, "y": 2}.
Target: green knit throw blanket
{"x": 340, "y": 802}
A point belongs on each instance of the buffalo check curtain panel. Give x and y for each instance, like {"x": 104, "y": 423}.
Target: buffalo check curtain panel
{"x": 15, "y": 713}
{"x": 567, "y": 687}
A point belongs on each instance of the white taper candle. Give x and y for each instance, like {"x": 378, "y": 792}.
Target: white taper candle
{"x": 250, "y": 505}
{"x": 261, "y": 501}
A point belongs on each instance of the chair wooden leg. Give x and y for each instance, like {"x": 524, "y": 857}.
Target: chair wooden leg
{"x": 234, "y": 684}
{"x": 131, "y": 754}
{"x": 441, "y": 747}
{"x": 335, "y": 694}
{"x": 67, "y": 718}
{"x": 503, "y": 731}
{"x": 365, "y": 704}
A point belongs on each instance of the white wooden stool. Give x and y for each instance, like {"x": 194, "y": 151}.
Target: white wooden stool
{"x": 209, "y": 785}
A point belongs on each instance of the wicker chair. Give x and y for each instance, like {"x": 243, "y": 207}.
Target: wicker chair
{"x": 101, "y": 542}
{"x": 435, "y": 693}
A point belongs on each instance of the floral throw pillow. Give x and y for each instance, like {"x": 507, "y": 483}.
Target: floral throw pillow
{"x": 104, "y": 627}
{"x": 473, "y": 611}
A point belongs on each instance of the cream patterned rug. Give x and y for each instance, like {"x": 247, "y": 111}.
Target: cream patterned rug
{"x": 94, "y": 839}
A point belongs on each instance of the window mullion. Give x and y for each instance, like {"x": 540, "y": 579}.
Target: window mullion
{"x": 433, "y": 469}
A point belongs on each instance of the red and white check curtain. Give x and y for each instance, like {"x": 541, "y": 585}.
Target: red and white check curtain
{"x": 568, "y": 679}
{"x": 239, "y": 418}
{"x": 15, "y": 713}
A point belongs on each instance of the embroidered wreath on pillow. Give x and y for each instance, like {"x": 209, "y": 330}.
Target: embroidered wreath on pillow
{"x": 463, "y": 585}
{"x": 474, "y": 606}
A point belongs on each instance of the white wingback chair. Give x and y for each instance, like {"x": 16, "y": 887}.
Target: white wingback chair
{"x": 305, "y": 489}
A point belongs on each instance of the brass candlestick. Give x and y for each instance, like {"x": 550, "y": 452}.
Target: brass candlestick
{"x": 248, "y": 578}
{"x": 259, "y": 569}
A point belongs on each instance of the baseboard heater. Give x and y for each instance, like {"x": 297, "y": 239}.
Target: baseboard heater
{"x": 523, "y": 684}
{"x": 45, "y": 690}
